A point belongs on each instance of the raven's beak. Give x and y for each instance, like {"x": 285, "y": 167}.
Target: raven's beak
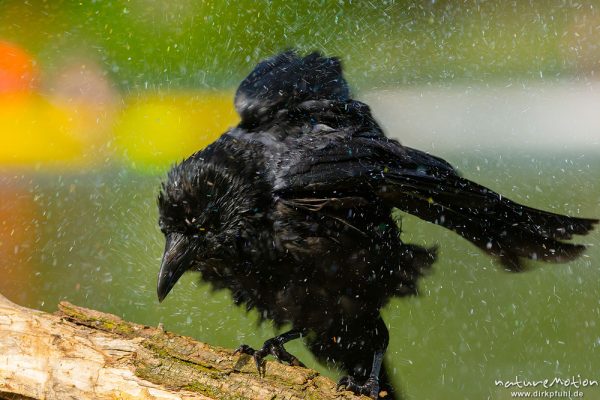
{"x": 178, "y": 258}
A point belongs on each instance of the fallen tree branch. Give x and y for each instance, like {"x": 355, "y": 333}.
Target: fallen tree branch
{"x": 86, "y": 354}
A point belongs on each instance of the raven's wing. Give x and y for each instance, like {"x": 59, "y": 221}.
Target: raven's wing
{"x": 426, "y": 186}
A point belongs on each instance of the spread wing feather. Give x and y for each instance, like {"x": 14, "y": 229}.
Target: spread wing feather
{"x": 429, "y": 188}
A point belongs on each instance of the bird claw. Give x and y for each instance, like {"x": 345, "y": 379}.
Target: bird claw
{"x": 277, "y": 350}
{"x": 244, "y": 349}
{"x": 256, "y": 354}
{"x": 369, "y": 388}
{"x": 272, "y": 347}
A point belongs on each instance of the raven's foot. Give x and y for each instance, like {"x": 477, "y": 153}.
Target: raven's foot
{"x": 369, "y": 388}
{"x": 273, "y": 347}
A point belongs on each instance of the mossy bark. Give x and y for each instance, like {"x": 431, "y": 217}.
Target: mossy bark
{"x": 87, "y": 354}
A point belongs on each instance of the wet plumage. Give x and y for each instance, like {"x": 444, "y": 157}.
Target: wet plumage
{"x": 290, "y": 211}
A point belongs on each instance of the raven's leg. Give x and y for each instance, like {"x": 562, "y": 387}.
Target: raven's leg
{"x": 273, "y": 346}
{"x": 371, "y": 386}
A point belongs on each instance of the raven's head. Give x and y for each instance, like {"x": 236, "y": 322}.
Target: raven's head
{"x": 204, "y": 213}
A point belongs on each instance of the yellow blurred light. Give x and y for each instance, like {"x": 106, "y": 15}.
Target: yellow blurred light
{"x": 34, "y": 130}
{"x": 157, "y": 131}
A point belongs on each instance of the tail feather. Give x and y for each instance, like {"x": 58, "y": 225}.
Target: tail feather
{"x": 286, "y": 80}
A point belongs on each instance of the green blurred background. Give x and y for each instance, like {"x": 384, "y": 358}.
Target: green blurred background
{"x": 98, "y": 98}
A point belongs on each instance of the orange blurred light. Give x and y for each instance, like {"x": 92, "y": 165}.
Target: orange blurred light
{"x": 67, "y": 126}
{"x": 18, "y": 71}
{"x": 18, "y": 216}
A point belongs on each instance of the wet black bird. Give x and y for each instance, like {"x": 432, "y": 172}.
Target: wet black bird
{"x": 290, "y": 211}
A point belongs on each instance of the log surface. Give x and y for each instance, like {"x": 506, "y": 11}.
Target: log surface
{"x": 79, "y": 353}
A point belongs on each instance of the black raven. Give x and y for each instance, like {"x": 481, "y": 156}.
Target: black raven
{"x": 290, "y": 211}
